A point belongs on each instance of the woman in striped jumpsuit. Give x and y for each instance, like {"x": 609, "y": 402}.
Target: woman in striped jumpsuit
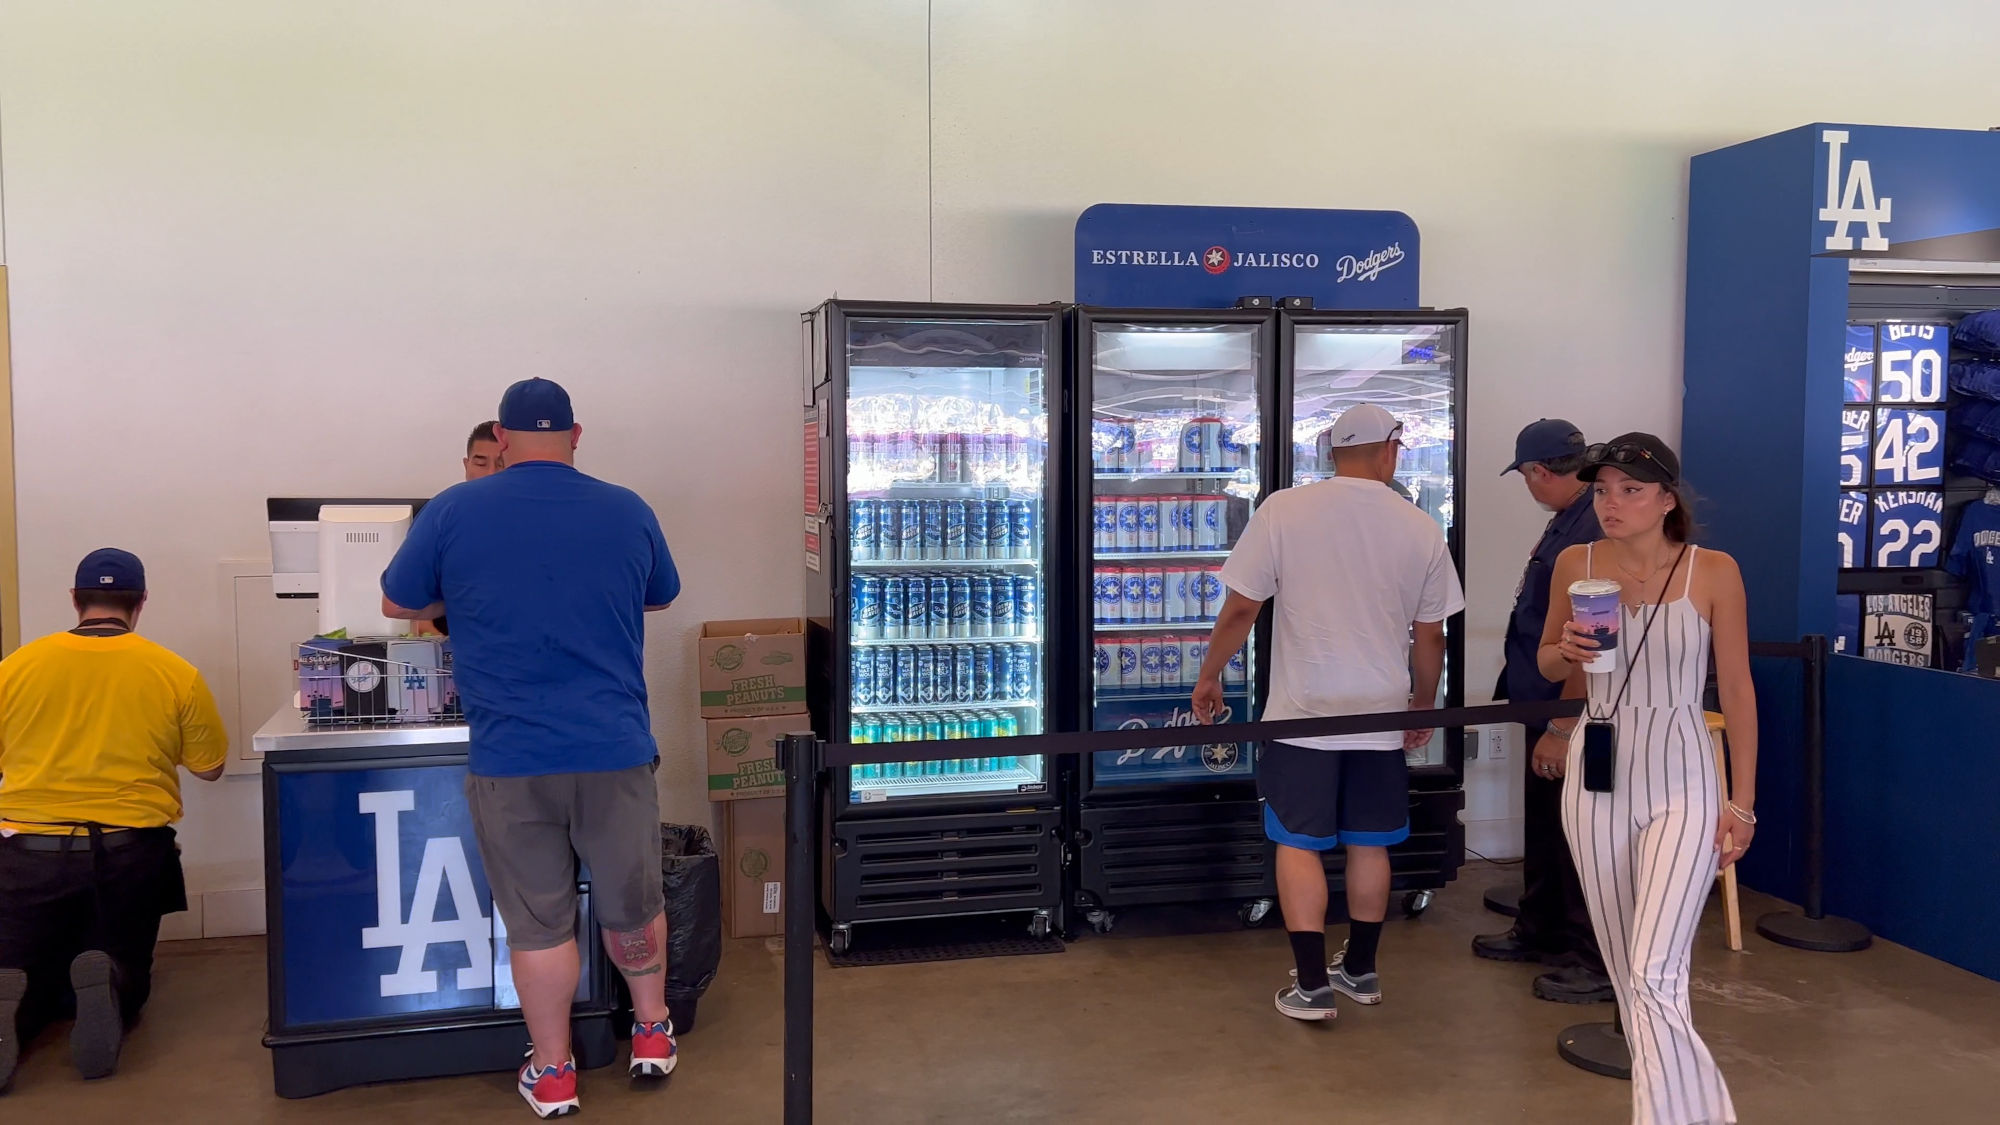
{"x": 1648, "y": 850}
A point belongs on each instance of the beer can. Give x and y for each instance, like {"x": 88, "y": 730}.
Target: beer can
{"x": 871, "y": 733}
{"x": 961, "y": 607}
{"x": 989, "y": 724}
{"x": 895, "y": 607}
{"x": 909, "y": 530}
{"x": 1130, "y": 676}
{"x": 1194, "y": 650}
{"x": 1003, "y": 605}
{"x": 1104, "y": 596}
{"x": 999, "y": 532}
{"x": 1149, "y": 662}
{"x": 982, "y": 673}
{"x": 1189, "y": 458}
{"x": 1003, "y": 682}
{"x": 1104, "y": 665}
{"x": 916, "y": 608}
{"x": 888, "y": 541}
{"x": 892, "y": 731}
{"x": 978, "y": 529}
{"x": 1169, "y": 521}
{"x": 1133, "y": 584}
{"x": 1156, "y": 593}
{"x": 1023, "y": 672}
{"x": 1211, "y": 530}
{"x": 1006, "y": 725}
{"x": 893, "y": 771}
{"x": 937, "y": 605}
{"x": 933, "y": 732}
{"x": 861, "y": 528}
{"x": 1022, "y": 537}
{"x": 1237, "y": 672}
{"x": 1210, "y": 454}
{"x": 962, "y": 660}
{"x": 952, "y": 767}
{"x": 1149, "y": 523}
{"x": 1027, "y": 605}
{"x": 1127, "y": 439}
{"x": 884, "y": 658}
{"x": 951, "y": 458}
{"x": 862, "y": 691}
{"x": 1126, "y": 537}
{"x": 906, "y": 677}
{"x": 1104, "y": 524}
{"x": 865, "y": 610}
{"x": 1173, "y": 598}
{"x": 980, "y": 609}
{"x": 954, "y": 725}
{"x": 1171, "y": 654}
{"x": 1213, "y": 592}
{"x": 927, "y": 684}
{"x": 954, "y": 529}
{"x": 933, "y": 529}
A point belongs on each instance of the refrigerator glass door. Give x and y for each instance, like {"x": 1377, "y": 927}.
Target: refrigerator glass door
{"x": 947, "y": 449}
{"x": 1410, "y": 370}
{"x": 1175, "y": 430}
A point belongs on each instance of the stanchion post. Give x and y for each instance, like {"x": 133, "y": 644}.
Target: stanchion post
{"x": 802, "y": 764}
{"x": 1813, "y": 929}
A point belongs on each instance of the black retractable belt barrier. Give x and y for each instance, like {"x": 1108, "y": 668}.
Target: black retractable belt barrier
{"x": 804, "y": 759}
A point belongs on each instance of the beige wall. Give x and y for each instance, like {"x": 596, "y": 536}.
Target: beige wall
{"x": 265, "y": 249}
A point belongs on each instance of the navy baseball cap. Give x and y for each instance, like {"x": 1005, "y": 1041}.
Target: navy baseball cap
{"x": 1550, "y": 439}
{"x": 109, "y": 568}
{"x": 536, "y": 404}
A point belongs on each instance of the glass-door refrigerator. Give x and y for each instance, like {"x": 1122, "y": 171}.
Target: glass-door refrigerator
{"x": 1413, "y": 365}
{"x": 928, "y": 564}
{"x": 1169, "y": 424}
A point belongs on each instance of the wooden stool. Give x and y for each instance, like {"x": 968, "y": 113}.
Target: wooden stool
{"x": 1718, "y": 733}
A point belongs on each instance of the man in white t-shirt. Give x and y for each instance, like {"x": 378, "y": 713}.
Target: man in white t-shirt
{"x": 1358, "y": 572}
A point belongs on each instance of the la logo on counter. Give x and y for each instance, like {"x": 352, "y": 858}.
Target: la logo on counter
{"x": 444, "y": 866}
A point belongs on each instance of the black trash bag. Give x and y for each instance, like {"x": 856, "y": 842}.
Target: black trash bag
{"x": 691, "y": 875}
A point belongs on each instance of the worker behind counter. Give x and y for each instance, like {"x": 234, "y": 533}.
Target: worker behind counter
{"x": 95, "y": 725}
{"x": 482, "y": 459}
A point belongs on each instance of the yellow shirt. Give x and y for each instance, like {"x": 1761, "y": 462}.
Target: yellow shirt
{"x": 96, "y": 729}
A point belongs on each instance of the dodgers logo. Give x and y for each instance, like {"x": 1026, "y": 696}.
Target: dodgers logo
{"x": 1853, "y": 202}
{"x": 1369, "y": 267}
{"x": 444, "y": 866}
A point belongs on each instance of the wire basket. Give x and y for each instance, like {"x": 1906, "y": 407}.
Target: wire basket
{"x": 377, "y": 682}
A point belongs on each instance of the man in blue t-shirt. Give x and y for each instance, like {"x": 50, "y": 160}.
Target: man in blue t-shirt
{"x": 547, "y": 574}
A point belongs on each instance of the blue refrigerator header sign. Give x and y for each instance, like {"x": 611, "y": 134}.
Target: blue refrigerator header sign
{"x": 1131, "y": 255}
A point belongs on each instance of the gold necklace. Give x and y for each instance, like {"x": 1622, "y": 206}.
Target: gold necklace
{"x": 1646, "y": 579}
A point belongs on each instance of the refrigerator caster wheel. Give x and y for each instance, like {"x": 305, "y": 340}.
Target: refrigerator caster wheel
{"x": 1253, "y": 913}
{"x": 839, "y": 940}
{"x": 1039, "y": 926}
{"x": 1101, "y": 920}
{"x": 1416, "y": 902}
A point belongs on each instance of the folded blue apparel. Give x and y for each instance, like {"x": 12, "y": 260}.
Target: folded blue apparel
{"x": 1979, "y": 333}
{"x": 1977, "y": 377}
{"x": 1979, "y": 457}
{"x": 1976, "y": 416}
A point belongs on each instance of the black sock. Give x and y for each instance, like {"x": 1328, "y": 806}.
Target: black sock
{"x": 1309, "y": 950}
{"x": 1362, "y": 938}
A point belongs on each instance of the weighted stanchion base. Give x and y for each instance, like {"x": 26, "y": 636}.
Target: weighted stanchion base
{"x": 1820, "y": 935}
{"x": 1504, "y": 900}
{"x": 1599, "y": 1048}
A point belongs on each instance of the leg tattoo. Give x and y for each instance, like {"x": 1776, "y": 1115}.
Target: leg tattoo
{"x": 635, "y": 952}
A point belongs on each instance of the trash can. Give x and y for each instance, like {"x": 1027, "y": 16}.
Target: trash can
{"x": 691, "y": 876}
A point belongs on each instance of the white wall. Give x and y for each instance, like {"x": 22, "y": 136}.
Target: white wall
{"x": 266, "y": 249}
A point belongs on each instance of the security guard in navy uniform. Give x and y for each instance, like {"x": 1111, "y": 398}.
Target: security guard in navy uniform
{"x": 1554, "y": 924}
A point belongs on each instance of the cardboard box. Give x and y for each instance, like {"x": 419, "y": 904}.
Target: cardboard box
{"x": 743, "y": 757}
{"x": 753, "y": 872}
{"x": 755, "y": 667}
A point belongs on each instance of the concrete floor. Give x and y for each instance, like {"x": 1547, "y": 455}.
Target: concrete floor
{"x": 1127, "y": 1029}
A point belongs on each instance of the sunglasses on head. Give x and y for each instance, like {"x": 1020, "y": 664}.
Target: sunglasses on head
{"x": 1623, "y": 453}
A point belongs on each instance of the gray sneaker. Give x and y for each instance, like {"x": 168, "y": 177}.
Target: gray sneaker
{"x": 1362, "y": 989}
{"x": 1301, "y": 1005}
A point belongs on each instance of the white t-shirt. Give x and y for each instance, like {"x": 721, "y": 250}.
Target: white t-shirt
{"x": 1351, "y": 565}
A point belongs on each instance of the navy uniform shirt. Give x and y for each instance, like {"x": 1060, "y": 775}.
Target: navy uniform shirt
{"x": 547, "y": 574}
{"x": 1520, "y": 680}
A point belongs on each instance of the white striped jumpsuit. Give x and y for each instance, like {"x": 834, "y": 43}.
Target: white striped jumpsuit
{"x": 1646, "y": 854}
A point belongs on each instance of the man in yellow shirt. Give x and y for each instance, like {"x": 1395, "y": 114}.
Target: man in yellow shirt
{"x": 95, "y": 725}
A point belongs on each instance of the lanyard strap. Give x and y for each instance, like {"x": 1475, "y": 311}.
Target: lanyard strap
{"x": 1644, "y": 632}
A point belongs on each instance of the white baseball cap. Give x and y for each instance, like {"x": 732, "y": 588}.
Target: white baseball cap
{"x": 1366, "y": 424}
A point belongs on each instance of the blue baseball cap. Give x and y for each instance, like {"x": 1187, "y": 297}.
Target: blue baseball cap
{"x": 1550, "y": 439}
{"x": 536, "y": 405}
{"x": 109, "y": 568}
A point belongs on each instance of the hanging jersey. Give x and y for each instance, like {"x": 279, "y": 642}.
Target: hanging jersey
{"x": 1909, "y": 528}
{"x": 1975, "y": 556}
{"x": 1860, "y": 364}
{"x": 1853, "y": 530}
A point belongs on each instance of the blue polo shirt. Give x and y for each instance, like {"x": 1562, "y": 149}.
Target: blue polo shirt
{"x": 546, "y": 574}
{"x": 1520, "y": 680}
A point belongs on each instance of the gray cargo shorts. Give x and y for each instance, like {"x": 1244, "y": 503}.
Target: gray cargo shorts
{"x": 532, "y": 831}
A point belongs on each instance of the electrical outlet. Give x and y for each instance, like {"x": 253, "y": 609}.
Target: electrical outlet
{"x": 1496, "y": 743}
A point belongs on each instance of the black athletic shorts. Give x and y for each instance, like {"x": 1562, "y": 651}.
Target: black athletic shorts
{"x": 1317, "y": 800}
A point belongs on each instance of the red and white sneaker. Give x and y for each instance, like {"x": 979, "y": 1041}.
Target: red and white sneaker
{"x": 654, "y": 1051}
{"x": 550, "y": 1091}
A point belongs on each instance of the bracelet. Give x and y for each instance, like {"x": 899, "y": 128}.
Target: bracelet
{"x": 1745, "y": 817}
{"x": 1554, "y": 729}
